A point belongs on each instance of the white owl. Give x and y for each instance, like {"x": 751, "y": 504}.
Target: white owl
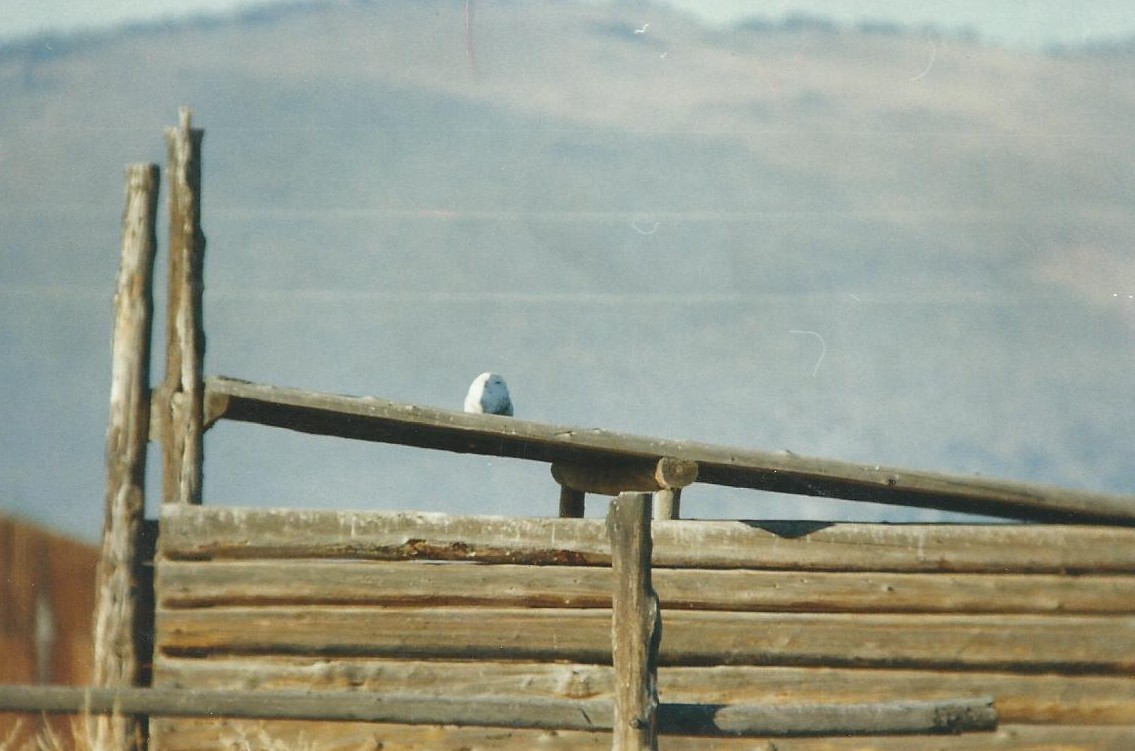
{"x": 488, "y": 394}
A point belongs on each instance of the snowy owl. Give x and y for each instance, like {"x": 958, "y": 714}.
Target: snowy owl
{"x": 488, "y": 395}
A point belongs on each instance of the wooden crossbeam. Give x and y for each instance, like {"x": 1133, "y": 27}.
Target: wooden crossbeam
{"x": 883, "y": 718}
{"x": 371, "y": 419}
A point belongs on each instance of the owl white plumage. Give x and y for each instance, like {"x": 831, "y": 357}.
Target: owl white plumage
{"x": 488, "y": 394}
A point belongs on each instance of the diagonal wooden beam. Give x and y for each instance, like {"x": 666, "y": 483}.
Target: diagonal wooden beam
{"x": 379, "y": 420}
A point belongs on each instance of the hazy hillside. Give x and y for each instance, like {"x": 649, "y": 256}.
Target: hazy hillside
{"x": 870, "y": 244}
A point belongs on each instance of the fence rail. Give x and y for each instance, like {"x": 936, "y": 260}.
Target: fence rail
{"x": 883, "y": 718}
{"x": 379, "y": 420}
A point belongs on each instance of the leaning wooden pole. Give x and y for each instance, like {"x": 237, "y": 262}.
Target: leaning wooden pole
{"x": 117, "y": 643}
{"x": 182, "y": 395}
{"x": 636, "y": 627}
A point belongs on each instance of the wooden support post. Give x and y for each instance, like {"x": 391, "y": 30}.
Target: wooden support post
{"x": 571, "y": 503}
{"x": 182, "y": 394}
{"x": 116, "y": 636}
{"x": 636, "y": 627}
{"x": 667, "y": 503}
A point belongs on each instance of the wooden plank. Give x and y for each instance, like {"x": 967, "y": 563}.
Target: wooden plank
{"x": 220, "y": 532}
{"x": 612, "y": 478}
{"x": 241, "y": 582}
{"x": 549, "y": 714}
{"x": 829, "y": 719}
{"x": 1020, "y": 698}
{"x": 885, "y": 718}
{"x": 208, "y": 735}
{"x": 117, "y": 640}
{"x": 1087, "y": 644}
{"x": 180, "y": 401}
{"x": 636, "y": 625}
{"x": 371, "y": 419}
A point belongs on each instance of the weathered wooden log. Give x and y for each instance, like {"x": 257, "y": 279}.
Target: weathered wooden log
{"x": 636, "y": 625}
{"x": 202, "y": 735}
{"x": 1032, "y": 698}
{"x": 667, "y": 504}
{"x": 571, "y": 503}
{"x": 612, "y": 478}
{"x": 371, "y": 419}
{"x": 180, "y": 400}
{"x": 184, "y": 584}
{"x": 953, "y": 715}
{"x": 1097, "y": 645}
{"x": 194, "y": 532}
{"x": 553, "y": 714}
{"x": 117, "y": 638}
{"x": 950, "y": 716}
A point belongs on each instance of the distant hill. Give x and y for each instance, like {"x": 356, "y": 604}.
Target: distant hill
{"x": 872, "y": 244}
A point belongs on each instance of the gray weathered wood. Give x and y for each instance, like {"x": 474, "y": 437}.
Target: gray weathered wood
{"x": 636, "y": 625}
{"x": 1101, "y": 645}
{"x": 572, "y": 503}
{"x": 203, "y": 735}
{"x": 554, "y": 714}
{"x": 612, "y": 478}
{"x": 949, "y": 716}
{"x": 117, "y": 641}
{"x": 181, "y": 398}
{"x": 1020, "y": 697}
{"x": 182, "y": 584}
{"x": 667, "y": 504}
{"x": 952, "y": 715}
{"x": 226, "y": 532}
{"x": 371, "y": 419}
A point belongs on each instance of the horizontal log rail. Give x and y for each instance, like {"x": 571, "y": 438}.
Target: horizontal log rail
{"x": 215, "y": 532}
{"x": 221, "y": 583}
{"x": 379, "y": 420}
{"x": 882, "y": 718}
{"x": 1100, "y": 645}
{"x": 1032, "y": 698}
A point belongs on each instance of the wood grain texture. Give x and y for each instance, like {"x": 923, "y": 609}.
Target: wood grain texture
{"x": 203, "y": 735}
{"x": 227, "y": 532}
{"x": 512, "y": 712}
{"x": 636, "y": 625}
{"x": 1021, "y": 698}
{"x": 127, "y": 436}
{"x": 1087, "y": 644}
{"x": 614, "y": 477}
{"x": 249, "y": 582}
{"x": 118, "y": 642}
{"x": 371, "y": 419}
{"x": 181, "y": 397}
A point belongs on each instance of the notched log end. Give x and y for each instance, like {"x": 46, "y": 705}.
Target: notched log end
{"x": 216, "y": 406}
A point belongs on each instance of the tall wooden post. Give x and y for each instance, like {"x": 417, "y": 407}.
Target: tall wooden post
{"x": 636, "y": 627}
{"x": 183, "y": 393}
{"x": 116, "y": 637}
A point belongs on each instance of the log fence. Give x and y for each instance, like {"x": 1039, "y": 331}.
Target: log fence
{"x": 568, "y": 632}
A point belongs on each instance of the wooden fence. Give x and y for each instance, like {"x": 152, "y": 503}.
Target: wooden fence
{"x": 442, "y": 632}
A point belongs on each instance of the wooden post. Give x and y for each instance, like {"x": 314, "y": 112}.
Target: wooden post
{"x": 116, "y": 637}
{"x": 182, "y": 393}
{"x": 636, "y": 627}
{"x": 667, "y": 503}
{"x": 571, "y": 503}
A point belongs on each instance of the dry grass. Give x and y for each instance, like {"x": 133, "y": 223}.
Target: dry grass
{"x": 85, "y": 733}
{"x": 96, "y": 733}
